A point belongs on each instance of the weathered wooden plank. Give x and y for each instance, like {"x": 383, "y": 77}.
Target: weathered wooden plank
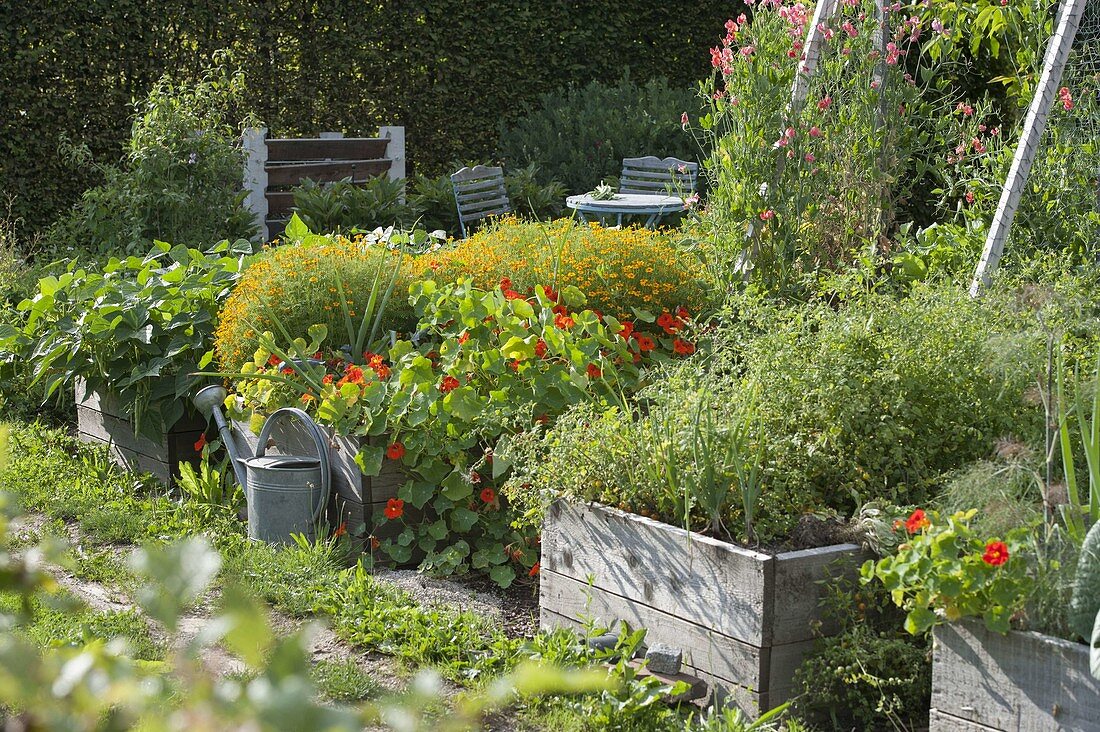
{"x": 358, "y": 170}
{"x": 345, "y": 148}
{"x": 279, "y": 204}
{"x": 1019, "y": 681}
{"x": 783, "y": 661}
{"x": 798, "y": 588}
{"x": 133, "y": 461}
{"x": 940, "y": 722}
{"x": 723, "y": 690}
{"x": 722, "y": 656}
{"x": 690, "y": 576}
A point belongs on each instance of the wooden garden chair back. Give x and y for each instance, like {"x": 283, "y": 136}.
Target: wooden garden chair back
{"x": 658, "y": 177}
{"x": 479, "y": 192}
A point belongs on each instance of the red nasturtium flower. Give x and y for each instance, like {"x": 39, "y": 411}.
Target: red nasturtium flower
{"x": 684, "y": 348}
{"x": 395, "y": 508}
{"x": 645, "y": 343}
{"x": 682, "y": 313}
{"x": 488, "y": 495}
{"x": 628, "y": 329}
{"x": 917, "y": 521}
{"x": 327, "y": 379}
{"x": 551, "y": 293}
{"x": 535, "y": 569}
{"x": 505, "y": 283}
{"x": 374, "y": 543}
{"x": 540, "y": 348}
{"x": 201, "y": 443}
{"x": 449, "y": 383}
{"x": 594, "y": 371}
{"x": 669, "y": 323}
{"x": 513, "y": 295}
{"x": 396, "y": 451}
{"x": 563, "y": 321}
{"x": 996, "y": 553}
{"x": 464, "y": 337}
{"x": 340, "y": 530}
{"x": 274, "y": 360}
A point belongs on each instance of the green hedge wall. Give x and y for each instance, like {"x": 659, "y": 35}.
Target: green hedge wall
{"x": 446, "y": 69}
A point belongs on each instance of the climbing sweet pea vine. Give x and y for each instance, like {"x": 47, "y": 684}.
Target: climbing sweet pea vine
{"x": 484, "y": 366}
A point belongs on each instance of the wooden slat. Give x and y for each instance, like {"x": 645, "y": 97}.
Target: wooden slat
{"x": 358, "y": 170}
{"x": 1020, "y": 681}
{"x": 476, "y": 173}
{"x": 940, "y": 722}
{"x": 279, "y": 204}
{"x": 499, "y": 205}
{"x": 694, "y": 577}
{"x": 725, "y": 657}
{"x": 798, "y": 588}
{"x": 346, "y": 148}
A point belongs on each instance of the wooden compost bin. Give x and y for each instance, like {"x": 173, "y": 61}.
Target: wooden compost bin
{"x": 101, "y": 419}
{"x": 356, "y": 498}
{"x": 985, "y": 682}
{"x": 743, "y": 619}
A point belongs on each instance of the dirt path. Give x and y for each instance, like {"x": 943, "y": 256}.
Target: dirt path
{"x": 322, "y": 644}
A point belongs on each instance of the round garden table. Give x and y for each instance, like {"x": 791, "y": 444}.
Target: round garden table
{"x": 653, "y": 207}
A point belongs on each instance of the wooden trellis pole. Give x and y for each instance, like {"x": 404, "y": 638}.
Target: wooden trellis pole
{"x": 1035, "y": 124}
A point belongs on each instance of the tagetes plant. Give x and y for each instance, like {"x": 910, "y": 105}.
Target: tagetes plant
{"x": 487, "y": 364}
{"x": 943, "y": 570}
{"x": 620, "y": 271}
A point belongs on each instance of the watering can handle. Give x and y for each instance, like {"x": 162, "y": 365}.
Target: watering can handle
{"x": 319, "y": 440}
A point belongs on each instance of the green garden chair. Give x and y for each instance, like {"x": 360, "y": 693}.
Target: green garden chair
{"x": 479, "y": 193}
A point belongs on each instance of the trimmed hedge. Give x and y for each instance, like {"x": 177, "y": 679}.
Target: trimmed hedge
{"x": 449, "y": 70}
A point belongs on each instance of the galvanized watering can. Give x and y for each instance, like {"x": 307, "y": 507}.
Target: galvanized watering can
{"x": 286, "y": 494}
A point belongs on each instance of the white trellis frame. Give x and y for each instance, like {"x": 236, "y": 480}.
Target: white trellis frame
{"x": 1035, "y": 124}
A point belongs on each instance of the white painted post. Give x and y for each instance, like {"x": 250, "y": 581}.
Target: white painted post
{"x": 395, "y": 151}
{"x": 811, "y": 53}
{"x": 254, "y": 142}
{"x": 1031, "y": 137}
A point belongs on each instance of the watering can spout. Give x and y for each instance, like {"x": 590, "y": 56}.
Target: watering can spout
{"x": 208, "y": 401}
{"x": 209, "y": 398}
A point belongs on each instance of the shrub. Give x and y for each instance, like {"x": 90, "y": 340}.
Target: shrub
{"x": 343, "y": 205}
{"x": 139, "y": 328}
{"x": 179, "y": 181}
{"x": 885, "y": 396}
{"x": 878, "y": 400}
{"x": 618, "y": 270}
{"x": 580, "y": 135}
{"x": 871, "y": 674}
{"x": 298, "y": 285}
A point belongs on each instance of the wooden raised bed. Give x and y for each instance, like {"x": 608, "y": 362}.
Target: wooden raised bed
{"x": 356, "y": 498}
{"x": 100, "y": 419}
{"x": 743, "y": 619}
{"x": 988, "y": 682}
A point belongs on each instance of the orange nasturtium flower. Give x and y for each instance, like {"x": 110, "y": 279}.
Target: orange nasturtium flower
{"x": 917, "y": 521}
{"x": 396, "y": 451}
